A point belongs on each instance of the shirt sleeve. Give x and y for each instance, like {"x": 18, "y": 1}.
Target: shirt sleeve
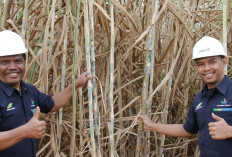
{"x": 191, "y": 125}
{"x": 45, "y": 102}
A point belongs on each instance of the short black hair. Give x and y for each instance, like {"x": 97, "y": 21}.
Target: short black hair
{"x": 222, "y": 57}
{"x": 24, "y": 56}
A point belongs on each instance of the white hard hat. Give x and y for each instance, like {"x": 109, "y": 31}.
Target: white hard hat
{"x": 206, "y": 47}
{"x": 11, "y": 44}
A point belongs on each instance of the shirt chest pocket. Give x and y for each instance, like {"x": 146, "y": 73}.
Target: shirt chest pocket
{"x": 10, "y": 112}
{"x": 202, "y": 115}
{"x": 3, "y": 106}
{"x": 226, "y": 114}
{"x": 223, "y": 109}
{"x": 10, "y": 116}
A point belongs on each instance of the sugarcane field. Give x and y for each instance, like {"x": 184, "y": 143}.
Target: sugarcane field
{"x": 139, "y": 56}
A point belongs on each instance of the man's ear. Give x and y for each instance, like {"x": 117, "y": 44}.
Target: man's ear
{"x": 225, "y": 61}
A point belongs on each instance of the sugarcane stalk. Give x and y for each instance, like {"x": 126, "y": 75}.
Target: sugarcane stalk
{"x": 73, "y": 139}
{"x": 90, "y": 85}
{"x": 77, "y": 13}
{"x": 166, "y": 114}
{"x": 144, "y": 103}
{"x": 225, "y": 30}
{"x": 74, "y": 6}
{"x": 25, "y": 14}
{"x": 73, "y": 135}
{"x": 95, "y": 104}
{"x": 48, "y": 6}
{"x": 20, "y": 14}
{"x": 51, "y": 41}
{"x": 59, "y": 127}
{"x": 1, "y": 5}
{"x": 152, "y": 60}
{"x": 111, "y": 98}
{"x": 148, "y": 81}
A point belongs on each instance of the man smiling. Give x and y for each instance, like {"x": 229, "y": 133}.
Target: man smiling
{"x": 21, "y": 103}
{"x": 211, "y": 111}
{"x": 12, "y": 70}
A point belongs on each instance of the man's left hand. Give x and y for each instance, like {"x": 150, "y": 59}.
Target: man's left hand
{"x": 219, "y": 130}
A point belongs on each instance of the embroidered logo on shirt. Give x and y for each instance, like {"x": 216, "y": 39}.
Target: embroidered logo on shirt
{"x": 33, "y": 111}
{"x": 32, "y": 103}
{"x": 198, "y": 106}
{"x": 10, "y": 107}
{"x": 223, "y": 104}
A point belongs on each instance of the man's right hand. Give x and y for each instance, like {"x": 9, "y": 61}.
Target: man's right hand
{"x": 147, "y": 123}
{"x": 35, "y": 128}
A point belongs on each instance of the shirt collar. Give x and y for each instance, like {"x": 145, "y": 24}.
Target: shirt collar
{"x": 9, "y": 90}
{"x": 221, "y": 87}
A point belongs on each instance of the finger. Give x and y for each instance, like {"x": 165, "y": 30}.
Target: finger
{"x": 212, "y": 133}
{"x": 211, "y": 129}
{"x": 84, "y": 73}
{"x": 43, "y": 133}
{"x": 216, "y": 117}
{"x": 37, "y": 112}
{"x": 43, "y": 123}
{"x": 140, "y": 117}
{"x": 89, "y": 77}
{"x": 211, "y": 124}
{"x": 43, "y": 128}
{"x": 213, "y": 137}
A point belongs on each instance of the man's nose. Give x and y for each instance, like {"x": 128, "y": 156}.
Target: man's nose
{"x": 12, "y": 65}
{"x": 207, "y": 67}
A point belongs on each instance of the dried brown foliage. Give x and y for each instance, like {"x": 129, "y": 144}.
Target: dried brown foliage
{"x": 180, "y": 22}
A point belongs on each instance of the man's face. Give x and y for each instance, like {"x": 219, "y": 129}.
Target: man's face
{"x": 12, "y": 69}
{"x": 211, "y": 70}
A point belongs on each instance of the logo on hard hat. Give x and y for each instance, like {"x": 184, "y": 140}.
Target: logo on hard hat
{"x": 204, "y": 50}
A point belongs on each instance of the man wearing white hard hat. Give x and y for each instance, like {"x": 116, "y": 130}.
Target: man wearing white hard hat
{"x": 21, "y": 103}
{"x": 211, "y": 111}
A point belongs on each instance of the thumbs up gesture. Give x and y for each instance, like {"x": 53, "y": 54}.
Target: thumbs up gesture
{"x": 35, "y": 128}
{"x": 220, "y": 129}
